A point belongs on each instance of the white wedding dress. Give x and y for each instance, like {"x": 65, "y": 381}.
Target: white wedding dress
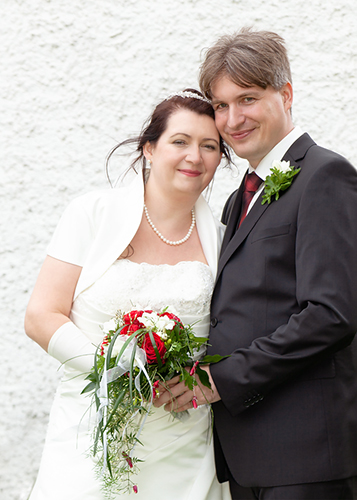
{"x": 178, "y": 455}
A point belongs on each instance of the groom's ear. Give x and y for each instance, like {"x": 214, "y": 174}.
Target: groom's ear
{"x": 286, "y": 92}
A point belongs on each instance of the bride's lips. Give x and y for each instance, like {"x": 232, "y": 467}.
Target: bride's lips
{"x": 190, "y": 173}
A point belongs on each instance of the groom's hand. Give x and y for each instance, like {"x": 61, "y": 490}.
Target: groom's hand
{"x": 176, "y": 396}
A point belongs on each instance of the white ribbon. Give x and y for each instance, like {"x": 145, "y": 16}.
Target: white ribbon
{"x": 123, "y": 366}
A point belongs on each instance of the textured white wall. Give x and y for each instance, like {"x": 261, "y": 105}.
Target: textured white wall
{"x": 77, "y": 76}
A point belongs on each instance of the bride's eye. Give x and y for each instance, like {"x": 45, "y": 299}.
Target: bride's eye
{"x": 179, "y": 142}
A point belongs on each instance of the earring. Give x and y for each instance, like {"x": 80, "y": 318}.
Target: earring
{"x": 149, "y": 163}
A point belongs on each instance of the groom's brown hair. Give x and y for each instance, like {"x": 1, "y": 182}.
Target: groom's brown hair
{"x": 247, "y": 58}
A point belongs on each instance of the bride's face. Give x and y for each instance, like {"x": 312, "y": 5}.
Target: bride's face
{"x": 186, "y": 155}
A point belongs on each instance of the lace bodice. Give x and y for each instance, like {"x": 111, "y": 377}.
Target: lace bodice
{"x": 185, "y": 288}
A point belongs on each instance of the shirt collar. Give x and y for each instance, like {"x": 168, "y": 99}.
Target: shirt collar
{"x": 277, "y": 153}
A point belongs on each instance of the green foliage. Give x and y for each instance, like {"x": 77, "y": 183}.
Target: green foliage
{"x": 276, "y": 182}
{"x": 203, "y": 376}
{"x": 212, "y": 359}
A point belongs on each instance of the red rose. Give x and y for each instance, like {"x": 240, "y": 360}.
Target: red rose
{"x": 131, "y": 322}
{"x": 173, "y": 317}
{"x": 129, "y": 329}
{"x": 149, "y": 349}
{"x": 170, "y": 316}
{"x": 132, "y": 316}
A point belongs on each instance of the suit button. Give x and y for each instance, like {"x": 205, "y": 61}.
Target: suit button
{"x": 214, "y": 322}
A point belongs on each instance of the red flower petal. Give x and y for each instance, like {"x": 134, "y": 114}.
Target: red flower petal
{"x": 194, "y": 368}
{"x": 149, "y": 349}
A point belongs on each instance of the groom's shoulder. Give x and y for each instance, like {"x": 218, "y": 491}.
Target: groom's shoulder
{"x": 307, "y": 152}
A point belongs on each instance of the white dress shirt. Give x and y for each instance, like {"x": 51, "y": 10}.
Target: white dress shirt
{"x": 277, "y": 153}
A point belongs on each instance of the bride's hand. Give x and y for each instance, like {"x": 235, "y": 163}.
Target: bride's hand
{"x": 164, "y": 391}
{"x": 176, "y": 396}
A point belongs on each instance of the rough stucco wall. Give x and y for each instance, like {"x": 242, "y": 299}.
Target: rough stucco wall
{"x": 77, "y": 77}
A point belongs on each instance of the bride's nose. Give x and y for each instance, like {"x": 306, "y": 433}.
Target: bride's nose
{"x": 194, "y": 155}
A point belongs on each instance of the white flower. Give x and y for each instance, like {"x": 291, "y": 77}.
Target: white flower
{"x": 149, "y": 319}
{"x": 283, "y": 166}
{"x": 164, "y": 323}
{"x": 110, "y": 326}
{"x": 118, "y": 344}
{"x": 156, "y": 322}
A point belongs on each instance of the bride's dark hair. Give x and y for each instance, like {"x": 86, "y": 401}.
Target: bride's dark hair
{"x": 156, "y": 125}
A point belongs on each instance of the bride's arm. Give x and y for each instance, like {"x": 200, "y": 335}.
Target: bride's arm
{"x": 47, "y": 317}
{"x": 51, "y": 300}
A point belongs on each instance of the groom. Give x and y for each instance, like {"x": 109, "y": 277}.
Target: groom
{"x": 284, "y": 306}
{"x": 285, "y": 302}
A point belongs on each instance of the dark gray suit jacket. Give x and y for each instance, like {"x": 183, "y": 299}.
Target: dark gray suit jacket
{"x": 285, "y": 308}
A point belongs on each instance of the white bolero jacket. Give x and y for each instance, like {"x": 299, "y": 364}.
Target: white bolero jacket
{"x": 97, "y": 227}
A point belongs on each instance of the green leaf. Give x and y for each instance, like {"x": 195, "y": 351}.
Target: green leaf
{"x": 276, "y": 182}
{"x": 203, "y": 376}
{"x": 200, "y": 340}
{"x": 125, "y": 345}
{"x": 157, "y": 354}
{"x": 90, "y": 387}
{"x": 212, "y": 359}
{"x": 116, "y": 404}
{"x": 131, "y": 373}
{"x": 190, "y": 380}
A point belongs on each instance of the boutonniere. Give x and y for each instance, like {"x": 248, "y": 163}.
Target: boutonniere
{"x": 282, "y": 175}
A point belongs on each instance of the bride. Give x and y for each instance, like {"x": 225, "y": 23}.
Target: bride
{"x": 151, "y": 244}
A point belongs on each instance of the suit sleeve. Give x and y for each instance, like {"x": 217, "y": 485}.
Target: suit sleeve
{"x": 326, "y": 292}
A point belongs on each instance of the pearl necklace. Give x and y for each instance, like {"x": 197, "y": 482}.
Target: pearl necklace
{"x": 165, "y": 240}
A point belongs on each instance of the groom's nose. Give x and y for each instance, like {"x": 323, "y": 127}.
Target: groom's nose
{"x": 235, "y": 117}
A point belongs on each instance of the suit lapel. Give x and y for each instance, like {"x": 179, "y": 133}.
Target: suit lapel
{"x": 239, "y": 236}
{"x": 234, "y": 213}
{"x": 299, "y": 149}
{"x": 233, "y": 238}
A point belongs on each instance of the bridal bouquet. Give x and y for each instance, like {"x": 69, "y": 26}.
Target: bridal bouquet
{"x": 140, "y": 349}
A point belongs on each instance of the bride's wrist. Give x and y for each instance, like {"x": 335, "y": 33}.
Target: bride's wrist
{"x": 70, "y": 346}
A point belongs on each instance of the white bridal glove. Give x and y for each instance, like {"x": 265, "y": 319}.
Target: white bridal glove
{"x": 69, "y": 345}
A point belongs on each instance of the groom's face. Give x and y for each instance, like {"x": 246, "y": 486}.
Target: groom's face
{"x": 252, "y": 120}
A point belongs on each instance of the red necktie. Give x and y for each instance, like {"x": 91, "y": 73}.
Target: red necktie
{"x": 251, "y": 184}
